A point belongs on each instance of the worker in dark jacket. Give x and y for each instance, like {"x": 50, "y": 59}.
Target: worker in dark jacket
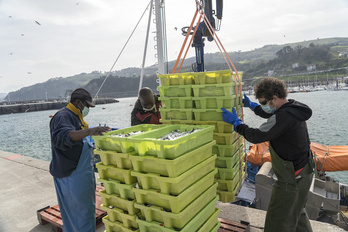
{"x": 72, "y": 163}
{"x": 289, "y": 145}
{"x": 146, "y": 108}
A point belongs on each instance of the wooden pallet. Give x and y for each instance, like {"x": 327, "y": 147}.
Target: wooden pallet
{"x": 52, "y": 214}
{"x": 230, "y": 226}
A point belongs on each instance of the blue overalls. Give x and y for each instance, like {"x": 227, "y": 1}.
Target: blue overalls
{"x": 76, "y": 194}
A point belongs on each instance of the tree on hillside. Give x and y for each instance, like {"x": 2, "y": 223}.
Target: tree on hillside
{"x": 284, "y": 53}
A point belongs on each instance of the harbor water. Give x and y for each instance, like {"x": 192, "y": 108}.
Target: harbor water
{"x": 28, "y": 133}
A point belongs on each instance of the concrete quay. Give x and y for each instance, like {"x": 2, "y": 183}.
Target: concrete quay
{"x": 27, "y": 186}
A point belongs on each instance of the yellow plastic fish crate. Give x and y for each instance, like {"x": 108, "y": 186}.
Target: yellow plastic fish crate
{"x": 119, "y": 215}
{"x": 211, "y": 223}
{"x": 109, "y": 141}
{"x": 178, "y": 220}
{"x": 179, "y": 122}
{"x": 116, "y": 226}
{"x": 215, "y": 102}
{"x": 175, "y": 167}
{"x": 216, "y": 77}
{"x": 175, "y": 91}
{"x": 176, "y": 114}
{"x": 175, "y": 204}
{"x": 220, "y": 126}
{"x": 229, "y": 162}
{"x": 229, "y": 185}
{"x": 176, "y": 79}
{"x": 116, "y": 187}
{"x": 217, "y": 90}
{"x": 111, "y": 172}
{"x": 199, "y": 221}
{"x": 148, "y": 144}
{"x": 226, "y": 196}
{"x": 176, "y": 102}
{"x": 207, "y": 114}
{"x": 115, "y": 200}
{"x": 215, "y": 228}
{"x": 226, "y": 138}
{"x": 229, "y": 173}
{"x": 120, "y": 160}
{"x": 228, "y": 150}
{"x": 176, "y": 185}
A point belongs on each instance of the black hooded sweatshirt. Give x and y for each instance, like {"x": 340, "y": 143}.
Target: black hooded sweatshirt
{"x": 286, "y": 130}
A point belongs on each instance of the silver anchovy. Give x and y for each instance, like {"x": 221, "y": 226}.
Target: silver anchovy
{"x": 124, "y": 135}
{"x": 177, "y": 134}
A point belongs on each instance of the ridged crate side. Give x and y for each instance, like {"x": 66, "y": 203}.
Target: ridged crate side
{"x": 112, "y": 172}
{"x": 116, "y": 187}
{"x": 175, "y": 167}
{"x": 175, "y": 204}
{"x": 228, "y": 150}
{"x": 110, "y": 140}
{"x": 175, "y": 91}
{"x": 229, "y": 173}
{"x": 193, "y": 225}
{"x": 179, "y": 220}
{"x": 115, "y": 200}
{"x": 211, "y": 222}
{"x": 176, "y": 102}
{"x": 116, "y": 226}
{"x": 120, "y": 160}
{"x": 176, "y": 114}
{"x": 119, "y": 215}
{"x": 178, "y": 184}
{"x": 171, "y": 149}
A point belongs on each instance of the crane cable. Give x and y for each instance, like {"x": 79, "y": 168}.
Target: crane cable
{"x": 108, "y": 73}
{"x": 225, "y": 55}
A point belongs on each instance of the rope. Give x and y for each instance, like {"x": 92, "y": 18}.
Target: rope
{"x": 182, "y": 47}
{"x": 96, "y": 95}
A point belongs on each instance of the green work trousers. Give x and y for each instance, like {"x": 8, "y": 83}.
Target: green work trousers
{"x": 286, "y": 211}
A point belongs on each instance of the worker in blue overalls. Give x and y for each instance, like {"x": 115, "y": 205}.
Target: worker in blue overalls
{"x": 72, "y": 162}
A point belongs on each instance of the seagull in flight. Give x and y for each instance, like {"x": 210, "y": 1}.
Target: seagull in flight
{"x": 37, "y": 23}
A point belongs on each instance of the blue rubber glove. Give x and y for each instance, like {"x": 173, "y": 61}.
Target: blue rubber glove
{"x": 231, "y": 118}
{"x": 248, "y": 103}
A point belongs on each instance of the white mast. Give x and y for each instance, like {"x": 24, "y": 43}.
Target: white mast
{"x": 160, "y": 39}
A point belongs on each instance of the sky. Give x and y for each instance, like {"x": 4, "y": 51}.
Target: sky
{"x": 44, "y": 39}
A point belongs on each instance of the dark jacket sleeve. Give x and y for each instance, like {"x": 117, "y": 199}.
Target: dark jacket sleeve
{"x": 275, "y": 126}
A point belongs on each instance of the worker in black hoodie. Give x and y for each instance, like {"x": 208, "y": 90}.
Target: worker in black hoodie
{"x": 289, "y": 145}
{"x": 146, "y": 108}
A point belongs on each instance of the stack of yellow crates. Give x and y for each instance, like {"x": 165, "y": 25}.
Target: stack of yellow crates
{"x": 209, "y": 92}
{"x": 165, "y": 185}
{"x": 114, "y": 170}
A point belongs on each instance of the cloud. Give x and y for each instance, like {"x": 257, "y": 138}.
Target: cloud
{"x": 88, "y": 36}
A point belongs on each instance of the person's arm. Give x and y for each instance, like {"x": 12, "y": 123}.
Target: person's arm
{"x": 273, "y": 128}
{"x": 77, "y": 135}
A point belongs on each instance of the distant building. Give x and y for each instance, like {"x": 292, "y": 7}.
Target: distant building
{"x": 311, "y": 67}
{"x": 270, "y": 73}
{"x": 295, "y": 65}
{"x": 343, "y": 54}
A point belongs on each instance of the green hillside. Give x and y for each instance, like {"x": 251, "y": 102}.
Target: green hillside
{"x": 275, "y": 59}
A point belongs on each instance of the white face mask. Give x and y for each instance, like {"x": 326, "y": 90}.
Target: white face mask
{"x": 150, "y": 109}
{"x": 268, "y": 109}
{"x": 85, "y": 111}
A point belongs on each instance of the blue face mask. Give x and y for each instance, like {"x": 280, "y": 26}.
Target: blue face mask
{"x": 268, "y": 109}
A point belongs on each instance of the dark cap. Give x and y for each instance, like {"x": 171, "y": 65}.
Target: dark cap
{"x": 82, "y": 94}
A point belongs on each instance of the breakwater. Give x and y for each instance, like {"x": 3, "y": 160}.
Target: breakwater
{"x": 22, "y": 107}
